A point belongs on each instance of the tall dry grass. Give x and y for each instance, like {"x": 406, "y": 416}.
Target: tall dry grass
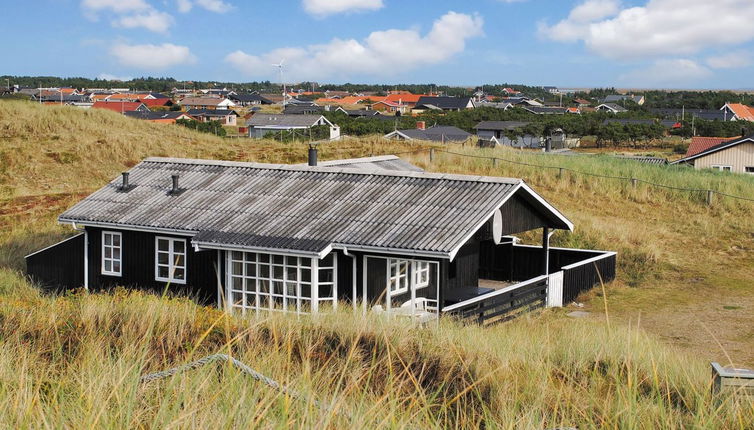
{"x": 75, "y": 362}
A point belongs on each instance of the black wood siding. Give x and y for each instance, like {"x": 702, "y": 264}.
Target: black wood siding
{"x": 60, "y": 266}
{"x": 138, "y": 267}
{"x": 463, "y": 272}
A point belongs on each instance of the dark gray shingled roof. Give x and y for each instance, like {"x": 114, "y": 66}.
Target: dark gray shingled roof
{"x": 282, "y": 120}
{"x": 304, "y": 209}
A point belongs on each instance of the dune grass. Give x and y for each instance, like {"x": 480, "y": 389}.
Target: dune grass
{"x": 682, "y": 298}
{"x": 75, "y": 361}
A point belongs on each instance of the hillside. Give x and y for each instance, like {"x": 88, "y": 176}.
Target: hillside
{"x": 683, "y": 297}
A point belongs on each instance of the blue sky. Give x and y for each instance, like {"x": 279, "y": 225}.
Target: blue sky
{"x": 579, "y": 43}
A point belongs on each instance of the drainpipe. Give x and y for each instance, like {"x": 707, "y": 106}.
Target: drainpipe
{"x": 353, "y": 276}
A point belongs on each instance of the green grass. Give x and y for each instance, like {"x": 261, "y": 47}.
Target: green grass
{"x": 682, "y": 298}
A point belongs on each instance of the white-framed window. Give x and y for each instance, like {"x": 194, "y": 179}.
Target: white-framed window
{"x": 749, "y": 169}
{"x": 112, "y": 257}
{"x": 280, "y": 282}
{"x": 397, "y": 276}
{"x": 170, "y": 260}
{"x": 722, "y": 168}
{"x": 421, "y": 274}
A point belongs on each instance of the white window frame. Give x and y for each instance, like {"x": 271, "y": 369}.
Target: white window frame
{"x": 749, "y": 172}
{"x": 394, "y": 282}
{"x": 421, "y": 269}
{"x": 172, "y": 266}
{"x": 112, "y": 259}
{"x": 722, "y": 167}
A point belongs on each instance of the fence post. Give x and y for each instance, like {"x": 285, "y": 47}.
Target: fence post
{"x": 431, "y": 154}
{"x": 709, "y": 197}
{"x": 560, "y": 172}
{"x": 634, "y": 182}
{"x": 494, "y": 162}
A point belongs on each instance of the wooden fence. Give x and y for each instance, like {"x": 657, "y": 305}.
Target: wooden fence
{"x": 501, "y": 305}
{"x": 584, "y": 275}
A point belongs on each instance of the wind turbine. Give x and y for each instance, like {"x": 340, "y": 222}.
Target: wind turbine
{"x": 280, "y": 67}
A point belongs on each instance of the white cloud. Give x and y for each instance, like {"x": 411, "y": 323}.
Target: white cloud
{"x": 109, "y": 77}
{"x": 217, "y": 6}
{"x": 184, "y": 6}
{"x": 152, "y": 57}
{"x": 322, "y": 8}
{"x": 660, "y": 27}
{"x": 117, "y": 6}
{"x": 670, "y": 72}
{"x": 731, "y": 60}
{"x": 388, "y": 52}
{"x": 158, "y": 22}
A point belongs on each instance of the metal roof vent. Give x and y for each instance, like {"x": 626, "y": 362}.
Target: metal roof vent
{"x": 125, "y": 186}
{"x": 176, "y": 189}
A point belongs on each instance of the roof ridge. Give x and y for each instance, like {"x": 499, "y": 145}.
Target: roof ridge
{"x": 325, "y": 169}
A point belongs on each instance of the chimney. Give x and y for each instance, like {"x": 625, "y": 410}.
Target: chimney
{"x": 175, "y": 189}
{"x": 421, "y": 125}
{"x": 312, "y": 155}
{"x": 124, "y": 185}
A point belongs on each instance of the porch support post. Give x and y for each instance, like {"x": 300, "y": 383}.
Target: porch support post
{"x": 86, "y": 258}
{"x": 315, "y": 285}
{"x": 546, "y": 249}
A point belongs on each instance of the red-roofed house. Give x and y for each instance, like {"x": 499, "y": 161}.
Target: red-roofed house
{"x": 405, "y": 98}
{"x": 121, "y": 107}
{"x": 732, "y": 155}
{"x": 386, "y": 106}
{"x": 701, "y": 144}
{"x": 166, "y": 102}
{"x": 738, "y": 112}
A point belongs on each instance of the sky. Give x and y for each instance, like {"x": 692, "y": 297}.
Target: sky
{"x": 564, "y": 43}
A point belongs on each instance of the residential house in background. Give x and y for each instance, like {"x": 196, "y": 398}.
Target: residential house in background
{"x": 390, "y": 107}
{"x": 734, "y": 155}
{"x": 303, "y": 109}
{"x": 737, "y": 112}
{"x": 688, "y": 114}
{"x": 611, "y": 108}
{"x": 249, "y": 99}
{"x": 225, "y": 116}
{"x": 206, "y": 103}
{"x": 121, "y": 107}
{"x": 617, "y": 98}
{"x": 700, "y": 144}
{"x": 261, "y": 124}
{"x": 437, "y": 133}
{"x": 161, "y": 117}
{"x": 443, "y": 103}
{"x": 507, "y": 133}
{"x": 545, "y": 110}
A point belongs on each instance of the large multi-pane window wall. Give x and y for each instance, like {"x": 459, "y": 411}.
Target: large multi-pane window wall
{"x": 260, "y": 281}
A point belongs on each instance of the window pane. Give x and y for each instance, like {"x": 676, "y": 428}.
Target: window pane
{"x": 235, "y": 255}
{"x": 290, "y": 288}
{"x": 306, "y": 262}
{"x": 179, "y": 274}
{"x": 116, "y": 253}
{"x": 108, "y": 252}
{"x": 251, "y": 269}
{"x": 179, "y": 261}
{"x": 108, "y": 239}
{"x": 291, "y": 273}
{"x": 327, "y": 261}
{"x": 306, "y": 275}
{"x": 277, "y": 272}
{"x": 277, "y": 287}
{"x": 237, "y": 268}
{"x": 116, "y": 267}
{"x": 179, "y": 246}
{"x": 237, "y": 298}
{"x": 291, "y": 261}
{"x": 237, "y": 283}
{"x": 116, "y": 240}
{"x": 108, "y": 266}
{"x": 306, "y": 290}
{"x": 264, "y": 271}
{"x": 325, "y": 291}
{"x": 162, "y": 272}
{"x": 163, "y": 258}
{"x": 264, "y": 286}
{"x": 277, "y": 259}
{"x": 264, "y": 258}
{"x": 163, "y": 245}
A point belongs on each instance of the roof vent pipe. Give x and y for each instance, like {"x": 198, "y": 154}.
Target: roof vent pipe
{"x": 175, "y": 184}
{"x": 124, "y": 185}
{"x": 312, "y": 155}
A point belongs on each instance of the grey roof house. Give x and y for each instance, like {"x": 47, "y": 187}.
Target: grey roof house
{"x": 261, "y": 124}
{"x": 251, "y": 237}
{"x": 438, "y": 133}
{"x": 443, "y": 103}
{"x": 611, "y": 108}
